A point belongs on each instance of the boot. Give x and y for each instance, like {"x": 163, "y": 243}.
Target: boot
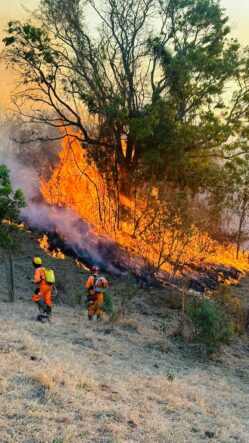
{"x": 48, "y": 310}
{"x": 41, "y": 306}
{"x": 42, "y": 318}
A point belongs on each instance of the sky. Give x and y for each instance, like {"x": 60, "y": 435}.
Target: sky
{"x": 237, "y": 10}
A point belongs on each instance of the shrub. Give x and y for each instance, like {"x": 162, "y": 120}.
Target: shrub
{"x": 170, "y": 375}
{"x": 108, "y": 304}
{"x": 210, "y": 323}
{"x": 235, "y": 307}
{"x": 121, "y": 308}
{"x": 128, "y": 293}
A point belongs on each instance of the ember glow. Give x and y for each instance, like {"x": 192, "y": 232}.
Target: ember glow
{"x": 75, "y": 183}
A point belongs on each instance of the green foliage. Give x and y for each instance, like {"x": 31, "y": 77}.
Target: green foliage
{"x": 128, "y": 293}
{"x": 232, "y": 191}
{"x": 170, "y": 375}
{"x": 119, "y": 309}
{"x": 210, "y": 323}
{"x": 108, "y": 305}
{"x": 188, "y": 69}
{"x": 10, "y": 204}
{"x": 9, "y": 40}
{"x": 165, "y": 93}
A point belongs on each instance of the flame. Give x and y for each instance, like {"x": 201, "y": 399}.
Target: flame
{"x": 82, "y": 266}
{"x": 44, "y": 244}
{"x": 77, "y": 184}
{"x": 19, "y": 226}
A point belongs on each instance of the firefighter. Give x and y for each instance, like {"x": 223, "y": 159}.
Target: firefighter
{"x": 43, "y": 293}
{"x": 96, "y": 284}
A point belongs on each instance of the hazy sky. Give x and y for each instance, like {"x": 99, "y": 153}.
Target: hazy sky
{"x": 237, "y": 10}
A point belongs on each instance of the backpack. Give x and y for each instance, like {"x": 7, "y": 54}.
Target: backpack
{"x": 104, "y": 284}
{"x": 49, "y": 275}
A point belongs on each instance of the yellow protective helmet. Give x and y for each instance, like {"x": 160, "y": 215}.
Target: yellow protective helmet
{"x": 37, "y": 260}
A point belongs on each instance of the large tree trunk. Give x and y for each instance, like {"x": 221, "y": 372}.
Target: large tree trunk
{"x": 128, "y": 167}
{"x": 125, "y": 180}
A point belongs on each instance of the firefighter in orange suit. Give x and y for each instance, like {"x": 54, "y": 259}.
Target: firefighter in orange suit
{"x": 43, "y": 293}
{"x": 95, "y": 284}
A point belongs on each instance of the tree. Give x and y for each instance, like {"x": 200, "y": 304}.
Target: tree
{"x": 237, "y": 195}
{"x": 10, "y": 204}
{"x": 145, "y": 92}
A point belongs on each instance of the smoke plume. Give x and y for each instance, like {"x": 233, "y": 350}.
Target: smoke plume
{"x": 75, "y": 236}
{"x": 66, "y": 230}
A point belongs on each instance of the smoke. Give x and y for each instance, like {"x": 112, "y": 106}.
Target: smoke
{"x": 65, "y": 228}
{"x": 75, "y": 236}
{"x": 73, "y": 233}
{"x": 22, "y": 177}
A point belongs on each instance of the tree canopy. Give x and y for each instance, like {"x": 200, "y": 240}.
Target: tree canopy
{"x": 152, "y": 88}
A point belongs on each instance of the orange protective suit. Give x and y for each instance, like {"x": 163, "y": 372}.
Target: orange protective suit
{"x": 44, "y": 289}
{"x": 94, "y": 306}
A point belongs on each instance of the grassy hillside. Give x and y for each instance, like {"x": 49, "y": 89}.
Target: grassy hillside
{"x": 72, "y": 381}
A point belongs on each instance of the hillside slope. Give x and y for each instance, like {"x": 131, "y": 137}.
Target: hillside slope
{"x": 73, "y": 381}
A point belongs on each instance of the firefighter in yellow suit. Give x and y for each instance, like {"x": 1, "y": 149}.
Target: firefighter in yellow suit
{"x": 95, "y": 297}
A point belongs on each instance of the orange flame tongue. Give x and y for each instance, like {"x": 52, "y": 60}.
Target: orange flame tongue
{"x": 76, "y": 183}
{"x": 44, "y": 244}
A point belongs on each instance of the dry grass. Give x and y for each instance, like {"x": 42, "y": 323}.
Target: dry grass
{"x": 81, "y": 382}
{"x": 72, "y": 381}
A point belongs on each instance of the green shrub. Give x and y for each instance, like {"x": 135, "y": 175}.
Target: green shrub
{"x": 120, "y": 308}
{"x": 170, "y": 375}
{"x": 107, "y": 306}
{"x": 128, "y": 293}
{"x": 210, "y": 323}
